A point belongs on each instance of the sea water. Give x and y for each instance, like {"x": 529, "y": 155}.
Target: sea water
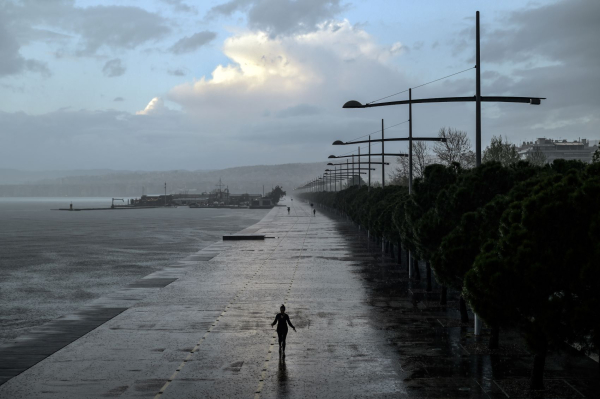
{"x": 53, "y": 262}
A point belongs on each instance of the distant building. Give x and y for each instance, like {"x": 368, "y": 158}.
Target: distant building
{"x": 559, "y": 149}
{"x": 262, "y": 203}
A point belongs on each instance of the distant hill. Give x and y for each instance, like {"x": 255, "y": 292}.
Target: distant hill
{"x": 92, "y": 183}
{"x": 14, "y": 176}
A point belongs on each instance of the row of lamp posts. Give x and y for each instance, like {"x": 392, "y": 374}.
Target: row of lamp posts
{"x": 478, "y": 98}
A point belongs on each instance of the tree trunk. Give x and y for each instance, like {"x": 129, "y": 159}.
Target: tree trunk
{"x": 539, "y": 361}
{"x": 464, "y": 316}
{"x": 428, "y": 276}
{"x": 494, "y": 338}
{"x": 399, "y": 252}
{"x": 417, "y": 271}
{"x": 444, "y": 296}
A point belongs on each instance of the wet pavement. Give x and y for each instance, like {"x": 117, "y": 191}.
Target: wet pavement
{"x": 363, "y": 330}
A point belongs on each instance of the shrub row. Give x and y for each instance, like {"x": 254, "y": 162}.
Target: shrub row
{"x": 520, "y": 243}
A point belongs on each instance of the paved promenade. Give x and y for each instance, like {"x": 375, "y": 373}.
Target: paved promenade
{"x": 362, "y": 329}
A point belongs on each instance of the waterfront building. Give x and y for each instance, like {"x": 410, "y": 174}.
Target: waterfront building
{"x": 559, "y": 149}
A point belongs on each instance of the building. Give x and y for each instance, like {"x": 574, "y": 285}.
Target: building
{"x": 559, "y": 149}
{"x": 262, "y": 203}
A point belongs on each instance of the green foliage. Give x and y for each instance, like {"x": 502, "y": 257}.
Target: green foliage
{"x": 424, "y": 230}
{"x": 276, "y": 194}
{"x": 563, "y": 166}
{"x": 541, "y": 271}
{"x": 460, "y": 224}
{"x": 522, "y": 242}
{"x": 501, "y": 150}
{"x": 596, "y": 156}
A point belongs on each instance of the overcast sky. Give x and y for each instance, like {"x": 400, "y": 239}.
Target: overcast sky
{"x": 182, "y": 84}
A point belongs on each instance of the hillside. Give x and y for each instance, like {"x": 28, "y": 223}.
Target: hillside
{"x": 244, "y": 179}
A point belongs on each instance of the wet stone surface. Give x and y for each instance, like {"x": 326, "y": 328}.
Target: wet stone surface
{"x": 364, "y": 329}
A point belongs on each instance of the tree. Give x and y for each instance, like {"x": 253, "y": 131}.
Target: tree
{"x": 584, "y": 317}
{"x": 466, "y": 205}
{"x": 421, "y": 230}
{"x": 596, "y": 156}
{"x": 422, "y": 158}
{"x": 534, "y": 274}
{"x": 276, "y": 194}
{"x": 501, "y": 150}
{"x": 456, "y": 148}
{"x": 537, "y": 157}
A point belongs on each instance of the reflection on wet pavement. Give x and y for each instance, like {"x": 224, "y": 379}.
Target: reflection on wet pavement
{"x": 436, "y": 355}
{"x": 363, "y": 330}
{"x": 282, "y": 377}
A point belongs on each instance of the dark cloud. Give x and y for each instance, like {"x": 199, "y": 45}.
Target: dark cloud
{"x": 179, "y": 5}
{"x": 191, "y": 43}
{"x": 566, "y": 32}
{"x": 118, "y": 27}
{"x": 12, "y": 62}
{"x": 281, "y": 16}
{"x": 228, "y": 8}
{"x": 93, "y": 27}
{"x": 113, "y": 68}
{"x": 119, "y": 99}
{"x": 298, "y": 110}
{"x": 67, "y": 137}
{"x": 547, "y": 51}
{"x": 176, "y": 72}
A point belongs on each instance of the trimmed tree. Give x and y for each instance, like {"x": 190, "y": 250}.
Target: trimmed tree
{"x": 458, "y": 224}
{"x": 531, "y": 275}
{"x": 421, "y": 227}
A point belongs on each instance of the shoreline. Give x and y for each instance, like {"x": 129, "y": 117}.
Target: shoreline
{"x": 41, "y": 341}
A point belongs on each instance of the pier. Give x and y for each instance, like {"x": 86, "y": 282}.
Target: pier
{"x": 201, "y": 328}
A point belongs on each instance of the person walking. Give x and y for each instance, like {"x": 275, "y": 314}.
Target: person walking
{"x": 282, "y": 320}
{"x": 288, "y": 210}
{"x": 315, "y": 212}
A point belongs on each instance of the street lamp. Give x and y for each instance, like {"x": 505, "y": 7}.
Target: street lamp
{"x": 410, "y": 139}
{"x": 477, "y": 98}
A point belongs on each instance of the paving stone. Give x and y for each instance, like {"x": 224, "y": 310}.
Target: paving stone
{"x": 201, "y": 329}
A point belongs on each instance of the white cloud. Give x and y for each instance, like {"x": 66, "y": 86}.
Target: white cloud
{"x": 156, "y": 106}
{"x": 282, "y": 72}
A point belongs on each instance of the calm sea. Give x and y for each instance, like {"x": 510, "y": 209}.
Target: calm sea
{"x": 53, "y": 262}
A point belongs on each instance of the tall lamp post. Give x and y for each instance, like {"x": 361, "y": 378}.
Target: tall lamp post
{"x": 339, "y": 175}
{"x": 339, "y": 142}
{"x": 477, "y": 98}
{"x": 353, "y": 168}
{"x": 410, "y": 139}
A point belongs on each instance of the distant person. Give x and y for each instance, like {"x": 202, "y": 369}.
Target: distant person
{"x": 315, "y": 212}
{"x": 281, "y": 319}
{"x": 288, "y": 210}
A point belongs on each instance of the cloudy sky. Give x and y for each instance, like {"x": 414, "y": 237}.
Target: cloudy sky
{"x": 183, "y": 84}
